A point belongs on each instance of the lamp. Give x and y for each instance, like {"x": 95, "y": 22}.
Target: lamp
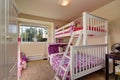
{"x": 64, "y": 2}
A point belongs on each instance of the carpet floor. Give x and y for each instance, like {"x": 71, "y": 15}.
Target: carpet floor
{"x": 41, "y": 70}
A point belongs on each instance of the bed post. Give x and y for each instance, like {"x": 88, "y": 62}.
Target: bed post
{"x": 84, "y": 28}
{"x": 106, "y": 35}
{"x": 71, "y": 63}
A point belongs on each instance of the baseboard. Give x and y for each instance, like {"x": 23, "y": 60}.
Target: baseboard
{"x": 38, "y": 57}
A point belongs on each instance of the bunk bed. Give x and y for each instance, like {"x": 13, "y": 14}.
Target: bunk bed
{"x": 54, "y": 49}
{"x": 78, "y": 61}
{"x": 93, "y": 26}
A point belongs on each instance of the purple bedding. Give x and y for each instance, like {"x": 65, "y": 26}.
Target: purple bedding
{"x": 55, "y": 60}
{"x": 54, "y": 48}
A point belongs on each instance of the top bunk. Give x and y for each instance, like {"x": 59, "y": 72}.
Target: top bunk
{"x": 89, "y": 24}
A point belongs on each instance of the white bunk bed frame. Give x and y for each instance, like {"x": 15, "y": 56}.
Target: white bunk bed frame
{"x": 89, "y": 20}
{"x": 98, "y": 50}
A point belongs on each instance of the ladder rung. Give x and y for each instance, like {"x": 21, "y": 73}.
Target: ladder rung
{"x": 57, "y": 77}
{"x": 62, "y": 68}
{"x": 67, "y": 56}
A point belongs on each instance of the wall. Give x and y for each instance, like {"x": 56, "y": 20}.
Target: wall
{"x": 115, "y": 31}
{"x": 57, "y": 23}
{"x": 38, "y": 50}
{"x": 34, "y": 49}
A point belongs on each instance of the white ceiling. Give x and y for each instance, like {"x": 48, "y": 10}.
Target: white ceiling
{"x": 51, "y": 8}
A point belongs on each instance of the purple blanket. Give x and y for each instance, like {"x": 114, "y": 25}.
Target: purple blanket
{"x": 82, "y": 61}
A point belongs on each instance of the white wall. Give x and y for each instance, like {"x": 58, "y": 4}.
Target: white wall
{"x": 34, "y": 49}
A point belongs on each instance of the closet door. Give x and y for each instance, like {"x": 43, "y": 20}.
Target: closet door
{"x": 11, "y": 40}
{"x": 2, "y": 39}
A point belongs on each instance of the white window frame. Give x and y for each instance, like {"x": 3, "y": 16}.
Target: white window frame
{"x": 39, "y": 26}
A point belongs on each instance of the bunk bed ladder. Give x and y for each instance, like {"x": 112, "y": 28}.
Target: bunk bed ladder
{"x": 62, "y": 61}
{"x": 61, "y": 67}
{"x": 79, "y": 38}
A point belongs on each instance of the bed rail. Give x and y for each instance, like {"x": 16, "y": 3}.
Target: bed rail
{"x": 89, "y": 24}
{"x": 65, "y": 27}
{"x": 92, "y": 22}
{"x": 93, "y": 58}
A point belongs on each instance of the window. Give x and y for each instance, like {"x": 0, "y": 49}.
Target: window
{"x": 33, "y": 34}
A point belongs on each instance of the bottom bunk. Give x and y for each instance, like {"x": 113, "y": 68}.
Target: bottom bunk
{"x": 83, "y": 60}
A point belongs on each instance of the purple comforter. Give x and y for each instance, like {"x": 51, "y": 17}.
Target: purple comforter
{"x": 83, "y": 62}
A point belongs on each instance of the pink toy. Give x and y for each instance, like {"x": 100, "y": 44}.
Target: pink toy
{"x": 23, "y": 60}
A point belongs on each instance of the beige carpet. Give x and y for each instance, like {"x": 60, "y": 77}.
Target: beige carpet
{"x": 38, "y": 70}
{"x": 41, "y": 70}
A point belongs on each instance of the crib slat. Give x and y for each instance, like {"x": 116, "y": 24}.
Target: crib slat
{"x": 93, "y": 51}
{"x": 91, "y": 23}
{"x": 101, "y": 55}
{"x": 94, "y": 24}
{"x": 97, "y": 51}
{"x": 88, "y": 23}
{"x": 98, "y": 56}
{"x": 80, "y": 61}
{"x": 91, "y": 54}
{"x": 86, "y": 51}
{"x": 85, "y": 59}
{"x": 89, "y": 58}
{"x": 76, "y": 69}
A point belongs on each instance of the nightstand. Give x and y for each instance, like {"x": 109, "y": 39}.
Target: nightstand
{"x": 107, "y": 57}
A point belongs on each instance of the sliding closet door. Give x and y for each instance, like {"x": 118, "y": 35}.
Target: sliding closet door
{"x": 11, "y": 40}
{"x": 2, "y": 39}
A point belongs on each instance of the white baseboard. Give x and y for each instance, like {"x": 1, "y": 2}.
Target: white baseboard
{"x": 38, "y": 57}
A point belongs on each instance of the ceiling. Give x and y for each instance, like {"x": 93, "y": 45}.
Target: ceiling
{"x": 52, "y": 9}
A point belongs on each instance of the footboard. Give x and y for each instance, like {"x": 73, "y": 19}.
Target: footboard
{"x": 86, "y": 59}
